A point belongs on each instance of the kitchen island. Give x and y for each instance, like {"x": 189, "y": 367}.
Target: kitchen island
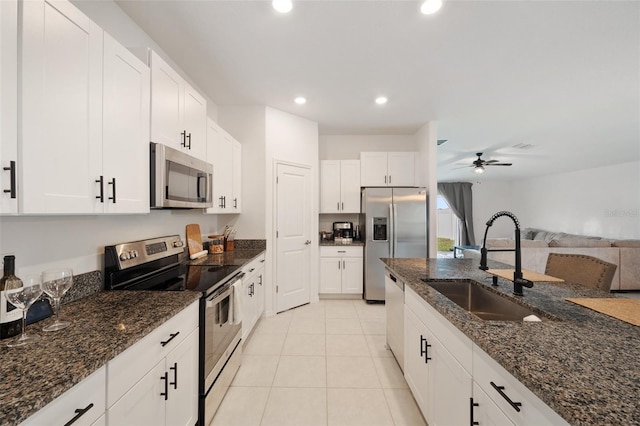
{"x": 582, "y": 364}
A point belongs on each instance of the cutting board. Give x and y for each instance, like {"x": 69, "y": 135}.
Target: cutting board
{"x": 194, "y": 239}
{"x": 526, "y": 274}
{"x": 627, "y": 310}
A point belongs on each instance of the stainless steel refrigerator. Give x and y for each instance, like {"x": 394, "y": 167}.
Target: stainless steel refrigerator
{"x": 395, "y": 225}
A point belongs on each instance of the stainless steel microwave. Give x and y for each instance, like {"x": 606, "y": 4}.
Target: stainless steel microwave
{"x": 179, "y": 180}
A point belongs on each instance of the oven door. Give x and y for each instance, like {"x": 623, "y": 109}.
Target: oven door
{"x": 222, "y": 329}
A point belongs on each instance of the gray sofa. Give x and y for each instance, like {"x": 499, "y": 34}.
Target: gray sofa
{"x": 537, "y": 244}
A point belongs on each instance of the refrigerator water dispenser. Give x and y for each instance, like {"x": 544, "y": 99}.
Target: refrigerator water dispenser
{"x": 380, "y": 229}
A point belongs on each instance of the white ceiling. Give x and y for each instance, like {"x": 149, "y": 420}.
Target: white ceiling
{"x": 562, "y": 76}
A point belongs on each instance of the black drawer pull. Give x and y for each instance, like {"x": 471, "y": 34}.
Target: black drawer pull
{"x": 113, "y": 183}
{"x": 471, "y": 405}
{"x": 166, "y": 385}
{"x": 101, "y": 182}
{"x": 394, "y": 279}
{"x": 79, "y": 413}
{"x": 12, "y": 177}
{"x": 516, "y": 405}
{"x": 424, "y": 351}
{"x": 172, "y": 336}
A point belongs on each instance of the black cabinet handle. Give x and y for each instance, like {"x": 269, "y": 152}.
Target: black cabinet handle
{"x": 224, "y": 201}
{"x": 175, "y": 375}
{"x": 172, "y": 336}
{"x": 500, "y": 389}
{"x": 338, "y": 205}
{"x": 166, "y": 385}
{"x": 260, "y": 278}
{"x": 184, "y": 138}
{"x": 12, "y": 178}
{"x": 101, "y": 182}
{"x": 424, "y": 350}
{"x": 385, "y": 178}
{"x": 79, "y": 413}
{"x": 471, "y": 405}
{"x": 220, "y": 204}
{"x": 394, "y": 279}
{"x": 235, "y": 203}
{"x": 189, "y": 137}
{"x": 113, "y": 190}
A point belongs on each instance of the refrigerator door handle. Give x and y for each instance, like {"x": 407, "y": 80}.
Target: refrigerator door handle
{"x": 392, "y": 234}
{"x": 394, "y": 228}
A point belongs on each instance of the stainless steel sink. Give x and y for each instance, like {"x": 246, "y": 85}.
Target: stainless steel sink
{"x": 483, "y": 302}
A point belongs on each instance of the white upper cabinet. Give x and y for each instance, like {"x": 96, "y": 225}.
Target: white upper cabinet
{"x": 8, "y": 106}
{"x": 125, "y": 144}
{"x": 387, "y": 168}
{"x": 340, "y": 186}
{"x": 225, "y": 153}
{"x": 178, "y": 111}
{"x": 61, "y": 109}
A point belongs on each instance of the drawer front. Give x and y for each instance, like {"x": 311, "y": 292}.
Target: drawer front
{"x": 533, "y": 411}
{"x": 339, "y": 251}
{"x": 254, "y": 265}
{"x": 451, "y": 338}
{"x": 87, "y": 396}
{"x": 130, "y": 366}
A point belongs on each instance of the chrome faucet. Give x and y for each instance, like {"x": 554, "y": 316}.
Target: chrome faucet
{"x": 518, "y": 280}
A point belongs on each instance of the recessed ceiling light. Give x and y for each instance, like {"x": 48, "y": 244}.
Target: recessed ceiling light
{"x": 282, "y": 6}
{"x": 430, "y": 6}
{"x": 300, "y": 100}
{"x": 381, "y": 100}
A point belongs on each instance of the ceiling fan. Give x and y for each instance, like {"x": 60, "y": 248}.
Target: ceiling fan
{"x": 480, "y": 164}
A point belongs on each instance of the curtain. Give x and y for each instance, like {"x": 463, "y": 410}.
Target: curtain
{"x": 458, "y": 196}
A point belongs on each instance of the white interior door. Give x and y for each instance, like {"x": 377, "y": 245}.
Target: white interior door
{"x": 293, "y": 233}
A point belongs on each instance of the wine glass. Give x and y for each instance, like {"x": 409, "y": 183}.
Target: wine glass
{"x": 55, "y": 283}
{"x": 22, "y": 294}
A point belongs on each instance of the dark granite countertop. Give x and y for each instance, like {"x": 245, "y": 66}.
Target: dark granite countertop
{"x": 582, "y": 364}
{"x": 103, "y": 325}
{"x": 334, "y": 244}
{"x": 228, "y": 258}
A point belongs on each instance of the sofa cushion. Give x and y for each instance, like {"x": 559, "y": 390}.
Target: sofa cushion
{"x": 500, "y": 243}
{"x": 528, "y": 233}
{"x": 546, "y": 236}
{"x": 578, "y": 242}
{"x": 627, "y": 243}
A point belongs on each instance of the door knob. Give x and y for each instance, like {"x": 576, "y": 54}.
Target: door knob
{"x": 306, "y": 243}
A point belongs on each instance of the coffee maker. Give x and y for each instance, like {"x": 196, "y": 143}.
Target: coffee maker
{"x": 342, "y": 230}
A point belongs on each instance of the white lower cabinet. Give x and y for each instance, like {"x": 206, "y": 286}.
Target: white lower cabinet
{"x": 454, "y": 382}
{"x": 155, "y": 382}
{"x": 252, "y": 294}
{"x": 85, "y": 402}
{"x": 440, "y": 384}
{"x": 341, "y": 270}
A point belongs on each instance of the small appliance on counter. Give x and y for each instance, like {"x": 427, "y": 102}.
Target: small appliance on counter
{"x": 326, "y": 236}
{"x": 342, "y": 230}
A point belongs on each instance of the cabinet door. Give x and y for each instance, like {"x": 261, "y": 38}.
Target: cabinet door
{"x": 330, "y": 275}
{"x": 236, "y": 203}
{"x": 8, "y": 106}
{"x": 249, "y": 304}
{"x": 330, "y": 186}
{"x": 61, "y": 109}
{"x": 350, "y": 186}
{"x": 218, "y": 153}
{"x": 451, "y": 387}
{"x": 486, "y": 412}
{"x": 260, "y": 293}
{"x": 195, "y": 122}
{"x": 167, "y": 104}
{"x": 182, "y": 366}
{"x": 401, "y": 168}
{"x": 416, "y": 368}
{"x": 144, "y": 403}
{"x": 352, "y": 272}
{"x": 373, "y": 169}
{"x": 125, "y": 144}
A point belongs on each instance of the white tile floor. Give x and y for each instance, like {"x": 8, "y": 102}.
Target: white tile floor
{"x": 320, "y": 364}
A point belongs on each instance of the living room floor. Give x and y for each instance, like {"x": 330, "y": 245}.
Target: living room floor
{"x": 320, "y": 364}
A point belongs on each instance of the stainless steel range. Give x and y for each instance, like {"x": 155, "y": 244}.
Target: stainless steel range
{"x": 155, "y": 264}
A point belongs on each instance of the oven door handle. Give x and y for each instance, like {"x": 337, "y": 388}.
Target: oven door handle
{"x": 225, "y": 291}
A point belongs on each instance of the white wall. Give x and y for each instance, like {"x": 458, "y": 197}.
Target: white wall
{"x": 426, "y": 141}
{"x": 248, "y": 125}
{"x": 603, "y": 201}
{"x": 349, "y": 147}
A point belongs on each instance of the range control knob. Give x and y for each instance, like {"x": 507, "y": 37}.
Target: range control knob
{"x": 124, "y": 256}
{"x": 133, "y": 254}
{"x": 178, "y": 243}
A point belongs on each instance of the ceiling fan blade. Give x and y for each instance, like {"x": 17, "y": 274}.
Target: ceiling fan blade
{"x": 498, "y": 164}
{"x": 490, "y": 161}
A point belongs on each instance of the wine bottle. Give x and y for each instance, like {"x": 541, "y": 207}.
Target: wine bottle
{"x": 10, "y": 316}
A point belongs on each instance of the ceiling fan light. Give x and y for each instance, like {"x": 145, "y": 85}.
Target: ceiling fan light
{"x": 479, "y": 169}
{"x": 430, "y": 7}
{"x": 282, "y": 6}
